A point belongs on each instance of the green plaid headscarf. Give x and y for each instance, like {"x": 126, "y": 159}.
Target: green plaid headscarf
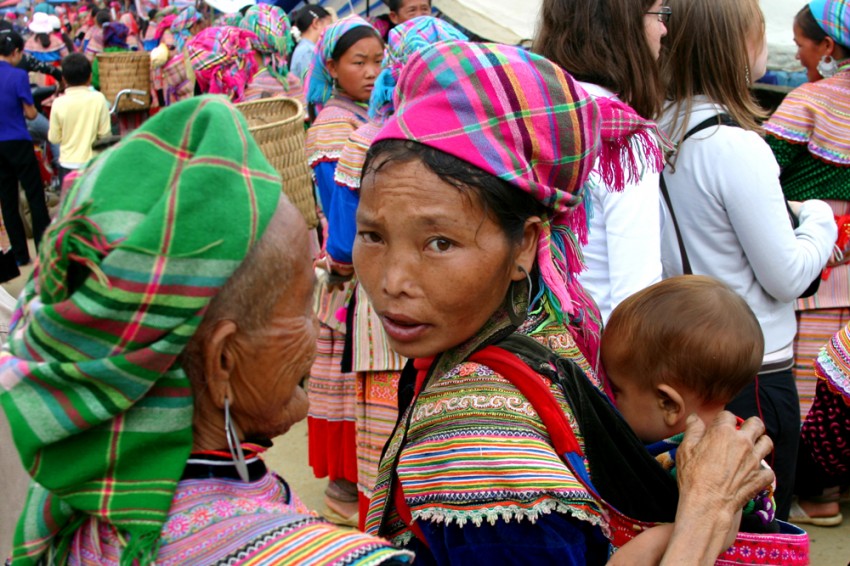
{"x": 99, "y": 408}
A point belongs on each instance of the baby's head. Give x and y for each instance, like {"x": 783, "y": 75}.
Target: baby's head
{"x": 685, "y": 345}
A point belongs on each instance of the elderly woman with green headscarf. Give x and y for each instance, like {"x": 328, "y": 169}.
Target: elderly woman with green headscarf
{"x": 151, "y": 361}
{"x": 273, "y": 44}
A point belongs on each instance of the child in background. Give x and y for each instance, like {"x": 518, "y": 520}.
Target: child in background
{"x": 78, "y": 117}
{"x": 686, "y": 345}
{"x": 310, "y": 21}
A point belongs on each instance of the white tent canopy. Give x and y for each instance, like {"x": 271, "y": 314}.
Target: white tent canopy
{"x": 514, "y": 21}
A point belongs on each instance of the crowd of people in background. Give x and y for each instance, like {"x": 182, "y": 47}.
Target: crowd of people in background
{"x": 536, "y": 271}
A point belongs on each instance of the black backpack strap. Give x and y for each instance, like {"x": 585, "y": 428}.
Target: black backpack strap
{"x": 647, "y": 492}
{"x": 718, "y": 120}
{"x": 686, "y": 264}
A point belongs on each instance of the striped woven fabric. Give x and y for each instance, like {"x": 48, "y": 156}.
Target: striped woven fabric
{"x": 475, "y": 449}
{"x": 819, "y": 318}
{"x": 223, "y": 60}
{"x": 353, "y": 155}
{"x": 93, "y": 43}
{"x": 182, "y": 23}
{"x": 99, "y": 408}
{"x": 377, "y": 412}
{"x": 273, "y": 34}
{"x": 175, "y": 77}
{"x": 833, "y": 364}
{"x": 331, "y": 429}
{"x": 372, "y": 351}
{"x": 818, "y": 115}
{"x": 332, "y": 127}
{"x": 403, "y": 40}
{"x": 221, "y": 522}
{"x": 55, "y": 51}
{"x": 814, "y": 329}
{"x": 265, "y": 85}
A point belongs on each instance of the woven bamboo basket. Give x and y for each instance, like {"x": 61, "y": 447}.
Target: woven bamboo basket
{"x": 277, "y": 125}
{"x": 120, "y": 70}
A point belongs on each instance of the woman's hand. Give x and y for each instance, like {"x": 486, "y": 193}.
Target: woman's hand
{"x": 719, "y": 470}
{"x": 795, "y": 207}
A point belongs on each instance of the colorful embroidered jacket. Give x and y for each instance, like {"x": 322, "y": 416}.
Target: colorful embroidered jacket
{"x": 219, "y": 521}
{"x": 810, "y": 136}
{"x": 478, "y": 470}
{"x": 325, "y": 140}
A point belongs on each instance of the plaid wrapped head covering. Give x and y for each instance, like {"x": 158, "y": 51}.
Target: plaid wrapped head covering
{"x": 274, "y": 36}
{"x": 319, "y": 82}
{"x": 163, "y": 25}
{"x": 234, "y": 19}
{"x": 523, "y": 119}
{"x": 223, "y": 60}
{"x": 405, "y": 39}
{"x": 186, "y": 18}
{"x": 833, "y": 16}
{"x": 99, "y": 407}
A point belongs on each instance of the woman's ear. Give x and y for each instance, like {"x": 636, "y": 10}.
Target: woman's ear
{"x": 219, "y": 360}
{"x": 331, "y": 65}
{"x": 526, "y": 251}
{"x": 828, "y": 47}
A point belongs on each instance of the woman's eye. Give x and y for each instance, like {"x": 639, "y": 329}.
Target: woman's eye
{"x": 440, "y": 245}
{"x": 370, "y": 237}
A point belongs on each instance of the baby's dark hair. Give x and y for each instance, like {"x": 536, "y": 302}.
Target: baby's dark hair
{"x": 10, "y": 41}
{"x": 76, "y": 69}
{"x": 692, "y": 331}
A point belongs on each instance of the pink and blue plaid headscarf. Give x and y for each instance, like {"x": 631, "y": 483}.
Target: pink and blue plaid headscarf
{"x": 181, "y": 24}
{"x": 523, "y": 119}
{"x": 833, "y": 16}
{"x": 223, "y": 60}
{"x": 405, "y": 39}
{"x": 274, "y": 36}
{"x": 319, "y": 80}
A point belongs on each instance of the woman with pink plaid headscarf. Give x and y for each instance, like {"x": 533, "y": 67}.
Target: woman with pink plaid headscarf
{"x": 467, "y": 247}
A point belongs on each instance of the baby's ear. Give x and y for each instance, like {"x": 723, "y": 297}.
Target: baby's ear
{"x": 672, "y": 405}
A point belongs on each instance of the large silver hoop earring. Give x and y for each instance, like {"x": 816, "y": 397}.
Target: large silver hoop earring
{"x": 827, "y": 66}
{"x": 233, "y": 443}
{"x": 518, "y": 308}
